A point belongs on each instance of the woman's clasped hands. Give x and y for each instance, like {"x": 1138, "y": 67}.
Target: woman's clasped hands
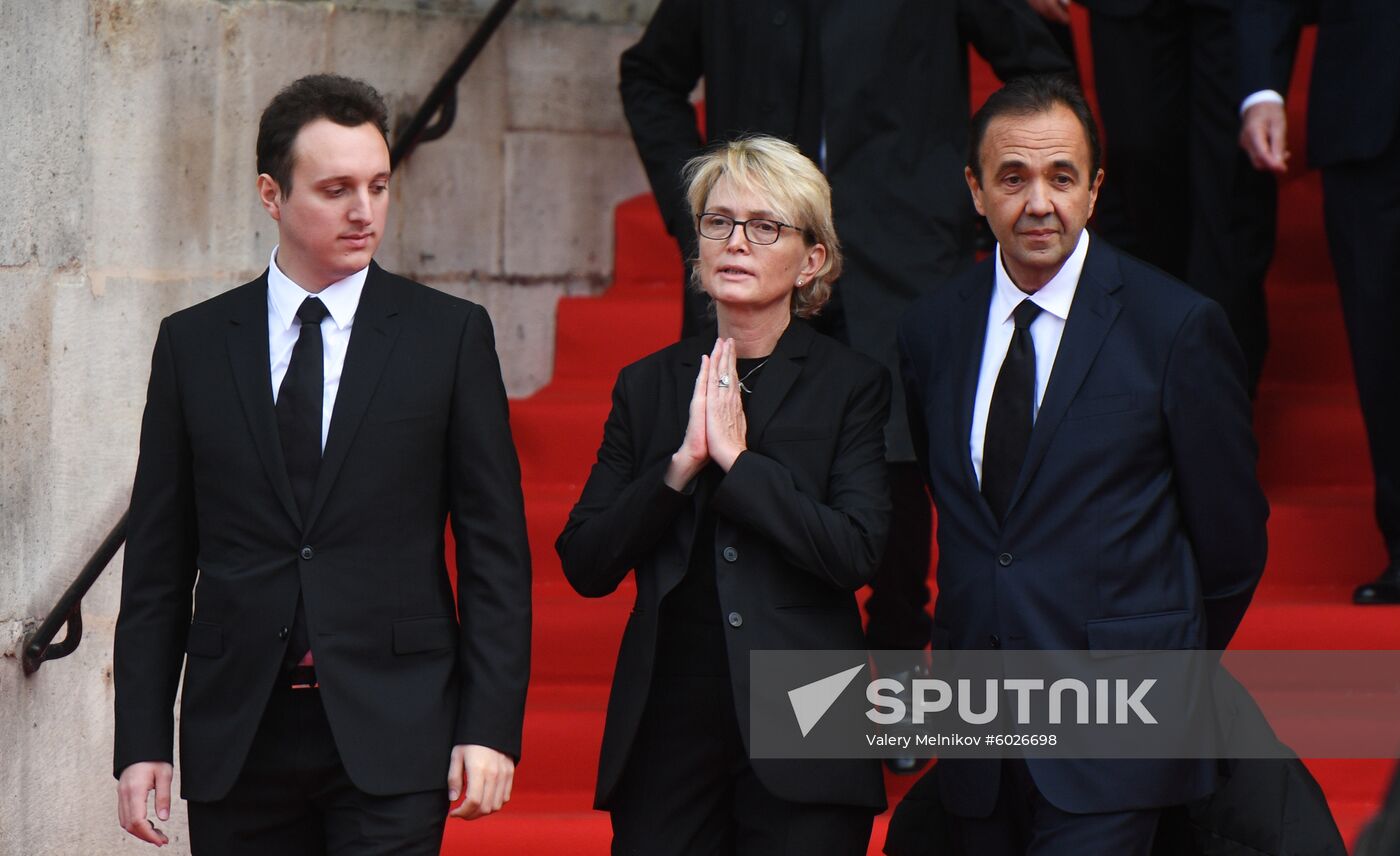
{"x": 716, "y": 430}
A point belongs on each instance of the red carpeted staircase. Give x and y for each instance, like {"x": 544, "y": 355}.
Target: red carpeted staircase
{"x": 1314, "y": 465}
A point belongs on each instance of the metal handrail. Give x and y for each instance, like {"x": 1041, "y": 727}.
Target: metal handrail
{"x": 38, "y": 646}
{"x": 442, "y": 100}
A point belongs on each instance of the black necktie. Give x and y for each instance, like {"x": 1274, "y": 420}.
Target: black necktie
{"x": 1010, "y": 417}
{"x": 299, "y": 424}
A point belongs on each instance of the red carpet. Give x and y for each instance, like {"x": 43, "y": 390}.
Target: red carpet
{"x": 1314, "y": 465}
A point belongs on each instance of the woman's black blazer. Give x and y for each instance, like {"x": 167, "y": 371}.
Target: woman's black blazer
{"x": 801, "y": 523}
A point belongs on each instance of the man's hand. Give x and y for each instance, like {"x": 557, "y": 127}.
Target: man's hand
{"x": 488, "y": 775}
{"x": 1051, "y": 10}
{"x": 1264, "y": 136}
{"x": 135, "y": 783}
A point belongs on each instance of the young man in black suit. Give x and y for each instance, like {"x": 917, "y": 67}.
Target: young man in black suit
{"x": 307, "y": 437}
{"x": 1084, "y": 427}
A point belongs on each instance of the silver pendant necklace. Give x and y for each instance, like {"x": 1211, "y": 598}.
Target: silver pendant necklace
{"x": 748, "y": 374}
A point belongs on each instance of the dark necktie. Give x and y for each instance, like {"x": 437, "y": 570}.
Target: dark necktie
{"x": 1010, "y": 417}
{"x": 299, "y": 424}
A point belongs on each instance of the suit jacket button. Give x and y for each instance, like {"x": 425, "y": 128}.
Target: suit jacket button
{"x": 731, "y": 554}
{"x": 1005, "y": 560}
{"x": 283, "y": 634}
{"x": 735, "y": 619}
{"x": 994, "y": 640}
{"x": 307, "y": 553}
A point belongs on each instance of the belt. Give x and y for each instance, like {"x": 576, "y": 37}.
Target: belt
{"x": 302, "y": 678}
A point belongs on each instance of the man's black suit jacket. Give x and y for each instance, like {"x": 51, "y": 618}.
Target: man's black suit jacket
{"x": 217, "y": 551}
{"x": 801, "y": 524}
{"x": 1137, "y": 523}
{"x": 1354, "y": 94}
{"x": 894, "y": 112}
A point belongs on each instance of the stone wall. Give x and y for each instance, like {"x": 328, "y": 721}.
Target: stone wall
{"x": 128, "y": 156}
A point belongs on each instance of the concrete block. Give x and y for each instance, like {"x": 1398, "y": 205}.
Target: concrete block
{"x": 446, "y": 216}
{"x": 43, "y": 143}
{"x": 560, "y": 193}
{"x": 26, "y": 521}
{"x": 563, "y": 76}
{"x": 154, "y": 77}
{"x": 602, "y": 11}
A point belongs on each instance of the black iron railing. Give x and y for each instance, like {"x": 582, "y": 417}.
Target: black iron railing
{"x": 38, "y": 647}
{"x": 442, "y": 100}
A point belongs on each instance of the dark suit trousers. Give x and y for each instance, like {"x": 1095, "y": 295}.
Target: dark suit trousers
{"x": 293, "y": 798}
{"x": 1024, "y": 823}
{"x": 1178, "y": 191}
{"x": 1362, "y": 205}
{"x": 688, "y": 788}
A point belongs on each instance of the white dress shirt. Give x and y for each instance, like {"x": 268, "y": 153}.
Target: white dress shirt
{"x": 1054, "y": 299}
{"x": 284, "y": 297}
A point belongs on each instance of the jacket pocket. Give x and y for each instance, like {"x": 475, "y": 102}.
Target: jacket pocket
{"x": 417, "y": 635}
{"x": 1177, "y": 630}
{"x": 205, "y": 640}
{"x": 1104, "y": 405}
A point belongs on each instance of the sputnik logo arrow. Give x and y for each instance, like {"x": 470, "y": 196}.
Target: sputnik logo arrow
{"x": 810, "y": 702}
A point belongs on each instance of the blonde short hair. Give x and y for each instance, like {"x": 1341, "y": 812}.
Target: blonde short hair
{"x": 776, "y": 170}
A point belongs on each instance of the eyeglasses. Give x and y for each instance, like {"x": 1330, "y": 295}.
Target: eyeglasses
{"x": 718, "y": 227}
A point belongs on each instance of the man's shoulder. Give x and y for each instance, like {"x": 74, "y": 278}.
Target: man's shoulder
{"x": 223, "y": 306}
{"x": 1146, "y": 288}
{"x": 423, "y": 299}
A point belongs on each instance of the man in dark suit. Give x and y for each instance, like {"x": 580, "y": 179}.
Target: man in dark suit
{"x": 1083, "y": 423}
{"x": 306, "y": 438}
{"x": 1354, "y": 138}
{"x": 876, "y": 94}
{"x": 1165, "y": 72}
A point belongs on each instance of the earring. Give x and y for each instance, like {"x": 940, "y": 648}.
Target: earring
{"x": 799, "y": 282}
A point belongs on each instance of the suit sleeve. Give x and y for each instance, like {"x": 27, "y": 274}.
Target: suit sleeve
{"x": 493, "y": 553}
{"x": 839, "y": 539}
{"x": 158, "y": 573}
{"x": 1213, "y": 462}
{"x": 623, "y": 511}
{"x": 1266, "y": 43}
{"x": 657, "y": 76}
{"x": 1012, "y": 37}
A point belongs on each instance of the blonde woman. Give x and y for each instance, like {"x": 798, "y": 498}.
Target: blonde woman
{"x": 742, "y": 480}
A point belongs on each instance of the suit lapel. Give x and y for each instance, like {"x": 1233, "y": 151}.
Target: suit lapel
{"x": 970, "y": 330}
{"x": 375, "y": 329}
{"x": 1092, "y": 313}
{"x": 778, "y": 376}
{"x": 252, "y": 375}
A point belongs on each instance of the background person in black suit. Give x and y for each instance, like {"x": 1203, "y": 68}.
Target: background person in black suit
{"x": 1084, "y": 426}
{"x": 877, "y": 95}
{"x": 1166, "y": 75}
{"x": 306, "y": 438}
{"x": 746, "y": 489}
{"x": 1354, "y": 138}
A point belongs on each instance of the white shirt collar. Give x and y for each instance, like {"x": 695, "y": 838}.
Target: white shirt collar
{"x": 285, "y": 296}
{"x": 1054, "y": 297}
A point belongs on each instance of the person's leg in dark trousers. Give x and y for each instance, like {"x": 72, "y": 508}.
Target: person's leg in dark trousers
{"x": 768, "y": 826}
{"x": 899, "y": 592}
{"x": 1362, "y": 206}
{"x": 294, "y": 797}
{"x": 1024, "y": 823}
{"x": 1165, "y": 80}
{"x": 1141, "y": 73}
{"x": 676, "y": 790}
{"x": 1233, "y": 206}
